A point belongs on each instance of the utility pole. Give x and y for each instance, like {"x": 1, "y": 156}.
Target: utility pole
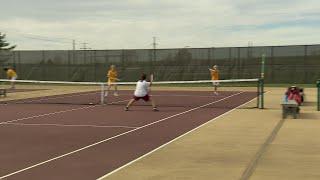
{"x": 73, "y": 44}
{"x": 84, "y": 48}
{"x": 250, "y": 45}
{"x": 154, "y": 44}
{"x": 73, "y": 50}
{"x": 154, "y": 57}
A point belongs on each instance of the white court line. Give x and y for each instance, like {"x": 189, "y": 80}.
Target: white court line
{"x": 181, "y": 95}
{"x": 38, "y": 99}
{"x": 47, "y": 114}
{"x": 70, "y": 125}
{"x": 185, "y": 95}
{"x": 175, "y": 139}
{"x": 53, "y": 113}
{"x": 116, "y": 136}
{"x": 59, "y": 96}
{"x": 111, "y": 103}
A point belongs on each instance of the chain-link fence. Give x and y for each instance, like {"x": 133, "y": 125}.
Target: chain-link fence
{"x": 284, "y": 64}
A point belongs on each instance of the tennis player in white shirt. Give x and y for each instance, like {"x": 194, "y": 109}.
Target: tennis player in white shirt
{"x": 142, "y": 92}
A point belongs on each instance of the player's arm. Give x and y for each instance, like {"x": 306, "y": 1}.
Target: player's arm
{"x": 9, "y": 74}
{"x": 113, "y": 78}
{"x": 109, "y": 75}
{"x": 116, "y": 76}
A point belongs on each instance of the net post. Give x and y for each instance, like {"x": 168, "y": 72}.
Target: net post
{"x": 261, "y": 94}
{"x": 263, "y": 60}
{"x": 261, "y": 82}
{"x": 318, "y": 94}
{"x": 102, "y": 86}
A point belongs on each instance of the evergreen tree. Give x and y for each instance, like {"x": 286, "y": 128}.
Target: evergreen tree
{"x": 4, "y": 45}
{"x": 5, "y": 49}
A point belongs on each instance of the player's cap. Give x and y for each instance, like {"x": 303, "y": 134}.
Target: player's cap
{"x": 293, "y": 87}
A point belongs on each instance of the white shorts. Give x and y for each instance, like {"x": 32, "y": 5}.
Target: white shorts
{"x": 14, "y": 78}
{"x": 215, "y": 83}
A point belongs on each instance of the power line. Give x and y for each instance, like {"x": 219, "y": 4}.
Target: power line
{"x": 61, "y": 40}
{"x": 31, "y": 35}
{"x": 84, "y": 46}
{"x": 48, "y": 40}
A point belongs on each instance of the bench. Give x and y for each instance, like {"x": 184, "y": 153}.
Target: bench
{"x": 3, "y": 92}
{"x": 290, "y": 107}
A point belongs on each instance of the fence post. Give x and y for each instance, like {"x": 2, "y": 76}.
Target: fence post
{"x": 68, "y": 66}
{"x": 94, "y": 64}
{"x": 102, "y": 93}
{"x": 318, "y": 94}
{"x": 44, "y": 71}
{"x": 258, "y": 94}
{"x": 262, "y": 94}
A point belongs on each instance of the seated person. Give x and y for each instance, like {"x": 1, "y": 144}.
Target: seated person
{"x": 294, "y": 93}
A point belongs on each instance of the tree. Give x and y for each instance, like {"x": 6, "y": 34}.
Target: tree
{"x": 5, "y": 49}
{"x": 4, "y": 45}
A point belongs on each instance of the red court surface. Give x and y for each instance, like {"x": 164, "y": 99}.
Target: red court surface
{"x": 55, "y": 141}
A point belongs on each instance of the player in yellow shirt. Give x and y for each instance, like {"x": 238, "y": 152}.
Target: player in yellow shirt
{"x": 215, "y": 76}
{"x": 112, "y": 78}
{"x": 12, "y": 75}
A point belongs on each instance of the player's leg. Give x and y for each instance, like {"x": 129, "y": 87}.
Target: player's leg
{"x": 216, "y": 89}
{"x": 148, "y": 98}
{"x": 106, "y": 92}
{"x": 12, "y": 85}
{"x": 13, "y": 82}
{"x": 129, "y": 104}
{"x": 154, "y": 106}
{"x": 115, "y": 90}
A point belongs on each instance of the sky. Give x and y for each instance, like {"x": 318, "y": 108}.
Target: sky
{"x": 132, "y": 24}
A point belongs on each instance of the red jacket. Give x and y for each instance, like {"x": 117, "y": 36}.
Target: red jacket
{"x": 294, "y": 94}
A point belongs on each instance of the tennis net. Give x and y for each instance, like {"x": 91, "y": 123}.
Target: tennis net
{"x": 164, "y": 93}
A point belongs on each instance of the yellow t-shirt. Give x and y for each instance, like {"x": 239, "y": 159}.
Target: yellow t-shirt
{"x": 214, "y": 75}
{"x": 112, "y": 75}
{"x": 11, "y": 73}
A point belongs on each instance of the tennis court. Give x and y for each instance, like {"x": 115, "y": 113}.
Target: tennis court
{"x": 72, "y": 135}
